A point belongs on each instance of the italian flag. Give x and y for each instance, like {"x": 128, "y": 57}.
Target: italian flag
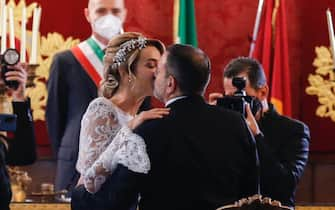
{"x": 272, "y": 51}
{"x": 184, "y": 23}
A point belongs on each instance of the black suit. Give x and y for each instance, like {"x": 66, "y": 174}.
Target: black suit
{"x": 201, "y": 158}
{"x": 70, "y": 90}
{"x": 21, "y": 149}
{"x": 283, "y": 153}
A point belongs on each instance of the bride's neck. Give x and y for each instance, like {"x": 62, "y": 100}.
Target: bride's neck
{"x": 127, "y": 101}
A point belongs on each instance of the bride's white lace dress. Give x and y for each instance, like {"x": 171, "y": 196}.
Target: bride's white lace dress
{"x": 105, "y": 142}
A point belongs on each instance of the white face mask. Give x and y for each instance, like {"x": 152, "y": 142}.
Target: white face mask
{"x": 108, "y": 26}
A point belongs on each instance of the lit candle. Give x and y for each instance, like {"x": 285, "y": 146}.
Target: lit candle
{"x": 256, "y": 26}
{"x": 39, "y": 18}
{"x": 11, "y": 29}
{"x": 23, "y": 35}
{"x": 331, "y": 34}
{"x": 33, "y": 54}
{"x": 4, "y": 30}
{"x": 36, "y": 25}
{"x": 2, "y": 5}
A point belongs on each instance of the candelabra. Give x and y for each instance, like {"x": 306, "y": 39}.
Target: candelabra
{"x": 31, "y": 71}
{"x": 20, "y": 180}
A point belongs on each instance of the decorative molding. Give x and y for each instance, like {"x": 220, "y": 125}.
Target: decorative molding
{"x": 322, "y": 83}
{"x": 65, "y": 206}
{"x": 315, "y": 207}
{"x": 39, "y": 206}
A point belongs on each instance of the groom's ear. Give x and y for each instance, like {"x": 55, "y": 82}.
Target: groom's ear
{"x": 171, "y": 85}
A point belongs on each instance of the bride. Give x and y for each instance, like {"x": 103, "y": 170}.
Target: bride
{"x": 130, "y": 62}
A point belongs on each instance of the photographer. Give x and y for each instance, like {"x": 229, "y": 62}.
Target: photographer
{"x": 282, "y": 143}
{"x": 21, "y": 148}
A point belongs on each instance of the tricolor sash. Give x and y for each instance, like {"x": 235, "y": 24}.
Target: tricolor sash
{"x": 90, "y": 56}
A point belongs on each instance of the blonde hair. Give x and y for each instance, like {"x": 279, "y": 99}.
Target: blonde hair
{"x": 112, "y": 77}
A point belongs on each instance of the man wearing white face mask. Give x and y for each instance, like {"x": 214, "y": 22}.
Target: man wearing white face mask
{"x": 74, "y": 77}
{"x": 106, "y": 18}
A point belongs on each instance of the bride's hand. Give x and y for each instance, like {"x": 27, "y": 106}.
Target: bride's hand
{"x": 80, "y": 181}
{"x": 147, "y": 115}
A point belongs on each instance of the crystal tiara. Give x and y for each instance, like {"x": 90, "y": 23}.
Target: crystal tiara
{"x": 125, "y": 48}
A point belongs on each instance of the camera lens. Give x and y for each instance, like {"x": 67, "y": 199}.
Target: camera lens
{"x": 239, "y": 82}
{"x": 11, "y": 57}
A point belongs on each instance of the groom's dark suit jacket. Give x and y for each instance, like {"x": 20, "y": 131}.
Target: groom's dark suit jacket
{"x": 201, "y": 158}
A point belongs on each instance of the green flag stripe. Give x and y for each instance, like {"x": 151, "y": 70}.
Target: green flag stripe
{"x": 95, "y": 47}
{"x": 187, "y": 23}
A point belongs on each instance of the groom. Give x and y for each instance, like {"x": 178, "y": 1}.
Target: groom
{"x": 201, "y": 157}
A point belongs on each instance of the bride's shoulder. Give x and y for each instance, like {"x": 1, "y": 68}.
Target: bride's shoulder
{"x": 101, "y": 103}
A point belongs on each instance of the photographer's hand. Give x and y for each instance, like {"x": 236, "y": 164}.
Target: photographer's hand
{"x": 20, "y": 75}
{"x": 251, "y": 121}
{"x": 213, "y": 97}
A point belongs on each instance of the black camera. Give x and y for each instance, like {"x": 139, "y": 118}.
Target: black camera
{"x": 237, "y": 102}
{"x": 10, "y": 58}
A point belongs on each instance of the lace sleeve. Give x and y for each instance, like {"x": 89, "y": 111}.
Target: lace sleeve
{"x": 98, "y": 127}
{"x": 127, "y": 149}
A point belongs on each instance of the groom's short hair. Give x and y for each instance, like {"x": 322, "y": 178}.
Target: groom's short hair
{"x": 190, "y": 66}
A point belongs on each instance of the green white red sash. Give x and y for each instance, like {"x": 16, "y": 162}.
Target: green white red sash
{"x": 90, "y": 56}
